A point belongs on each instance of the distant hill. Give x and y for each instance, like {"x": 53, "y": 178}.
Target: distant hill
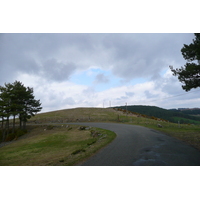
{"x": 170, "y": 115}
{"x": 191, "y": 111}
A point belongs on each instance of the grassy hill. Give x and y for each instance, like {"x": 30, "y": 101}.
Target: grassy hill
{"x": 54, "y": 145}
{"x": 186, "y": 132}
{"x": 50, "y": 141}
{"x": 169, "y": 115}
{"x": 76, "y": 115}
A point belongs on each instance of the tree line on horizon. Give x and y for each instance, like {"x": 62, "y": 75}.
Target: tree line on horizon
{"x": 170, "y": 115}
{"x": 16, "y": 101}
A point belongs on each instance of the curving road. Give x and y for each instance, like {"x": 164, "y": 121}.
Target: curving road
{"x": 140, "y": 146}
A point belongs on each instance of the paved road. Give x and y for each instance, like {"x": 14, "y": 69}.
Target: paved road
{"x": 140, "y": 146}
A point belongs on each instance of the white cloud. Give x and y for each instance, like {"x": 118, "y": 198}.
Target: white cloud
{"x": 74, "y": 70}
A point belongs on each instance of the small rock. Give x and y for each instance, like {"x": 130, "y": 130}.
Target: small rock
{"x": 87, "y": 128}
{"x": 82, "y": 128}
{"x": 159, "y": 125}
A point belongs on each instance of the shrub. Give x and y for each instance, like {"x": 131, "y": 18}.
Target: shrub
{"x": 50, "y": 127}
{"x": 70, "y": 128}
{"x": 82, "y": 128}
{"x": 20, "y": 132}
{"x": 10, "y": 137}
{"x": 95, "y": 133}
{"x": 15, "y": 135}
{"x": 78, "y": 151}
{"x": 90, "y": 143}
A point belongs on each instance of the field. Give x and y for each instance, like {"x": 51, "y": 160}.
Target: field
{"x": 76, "y": 115}
{"x": 50, "y": 141}
{"x": 48, "y": 145}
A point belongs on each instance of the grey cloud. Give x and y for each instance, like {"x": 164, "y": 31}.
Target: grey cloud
{"x": 89, "y": 92}
{"x": 143, "y": 55}
{"x": 69, "y": 101}
{"x": 27, "y": 53}
{"x": 54, "y": 70}
{"x": 150, "y": 95}
{"x": 122, "y": 98}
{"x": 101, "y": 78}
{"x": 130, "y": 94}
{"x": 130, "y": 55}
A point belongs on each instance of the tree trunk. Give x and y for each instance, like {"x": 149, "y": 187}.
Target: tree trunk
{"x": 2, "y": 123}
{"x": 3, "y": 135}
{"x": 24, "y": 125}
{"x": 20, "y": 121}
{"x": 8, "y": 122}
{"x": 2, "y": 129}
{"x": 13, "y": 124}
{"x": 6, "y": 129}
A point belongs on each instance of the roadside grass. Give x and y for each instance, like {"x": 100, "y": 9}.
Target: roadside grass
{"x": 188, "y": 133}
{"x": 58, "y": 146}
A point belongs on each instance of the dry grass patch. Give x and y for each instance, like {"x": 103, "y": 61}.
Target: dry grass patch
{"x": 76, "y": 114}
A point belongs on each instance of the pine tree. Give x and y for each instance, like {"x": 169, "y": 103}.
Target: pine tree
{"x": 189, "y": 75}
{"x": 5, "y": 93}
{"x": 24, "y": 103}
{"x": 17, "y": 100}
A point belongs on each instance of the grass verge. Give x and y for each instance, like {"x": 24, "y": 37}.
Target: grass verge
{"x": 54, "y": 146}
{"x": 187, "y": 133}
{"x": 184, "y": 132}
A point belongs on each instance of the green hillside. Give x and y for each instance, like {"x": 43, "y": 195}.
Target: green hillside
{"x": 169, "y": 115}
{"x": 186, "y": 132}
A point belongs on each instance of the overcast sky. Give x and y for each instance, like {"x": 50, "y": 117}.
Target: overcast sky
{"x": 92, "y": 70}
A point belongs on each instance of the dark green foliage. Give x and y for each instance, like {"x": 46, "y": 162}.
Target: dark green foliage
{"x": 16, "y": 100}
{"x": 78, "y": 151}
{"x": 95, "y": 133}
{"x": 13, "y": 136}
{"x": 82, "y": 128}
{"x": 50, "y": 127}
{"x": 90, "y": 143}
{"x": 154, "y": 112}
{"x": 191, "y": 112}
{"x": 189, "y": 75}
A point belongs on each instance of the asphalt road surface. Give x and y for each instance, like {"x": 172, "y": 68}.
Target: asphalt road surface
{"x": 140, "y": 146}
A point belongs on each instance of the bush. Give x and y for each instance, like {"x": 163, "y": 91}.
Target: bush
{"x": 91, "y": 143}
{"x": 10, "y": 137}
{"x": 78, "y": 151}
{"x": 15, "y": 135}
{"x": 70, "y": 128}
{"x": 82, "y": 128}
{"x": 95, "y": 133}
{"x": 50, "y": 127}
{"x": 20, "y": 132}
